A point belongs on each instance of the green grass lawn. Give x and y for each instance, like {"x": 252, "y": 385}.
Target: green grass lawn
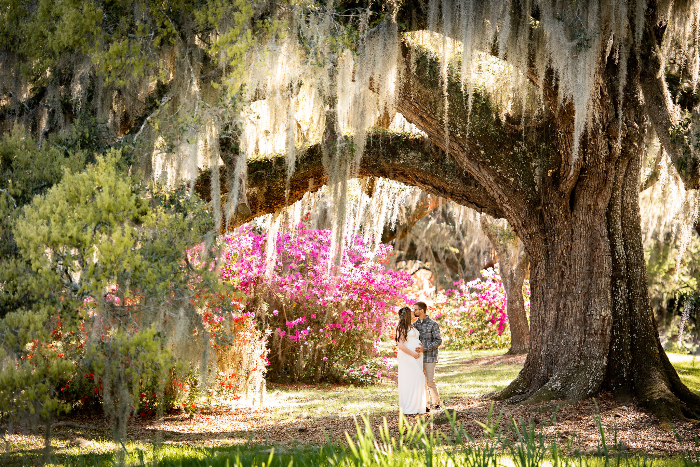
{"x": 688, "y": 368}
{"x": 454, "y": 379}
{"x": 457, "y": 380}
{"x": 335, "y": 457}
{"x": 374, "y": 448}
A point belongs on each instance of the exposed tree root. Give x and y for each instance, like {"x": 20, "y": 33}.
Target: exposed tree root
{"x": 665, "y": 396}
{"x": 516, "y": 391}
{"x": 665, "y": 399}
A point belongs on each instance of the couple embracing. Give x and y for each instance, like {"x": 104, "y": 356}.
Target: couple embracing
{"x": 418, "y": 343}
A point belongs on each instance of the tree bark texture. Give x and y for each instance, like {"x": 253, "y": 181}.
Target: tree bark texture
{"x": 513, "y": 264}
{"x": 637, "y": 364}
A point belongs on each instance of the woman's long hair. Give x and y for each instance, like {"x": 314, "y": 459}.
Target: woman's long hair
{"x": 404, "y": 323}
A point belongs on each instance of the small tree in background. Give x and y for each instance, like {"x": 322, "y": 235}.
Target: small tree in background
{"x": 116, "y": 255}
{"x": 32, "y": 368}
{"x": 25, "y": 172}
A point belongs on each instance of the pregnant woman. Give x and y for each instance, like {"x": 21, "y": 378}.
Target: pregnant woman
{"x": 411, "y": 376}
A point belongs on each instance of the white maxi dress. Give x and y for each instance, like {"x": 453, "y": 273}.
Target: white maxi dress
{"x": 411, "y": 377}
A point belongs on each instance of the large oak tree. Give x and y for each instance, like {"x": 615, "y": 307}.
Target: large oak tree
{"x": 575, "y": 209}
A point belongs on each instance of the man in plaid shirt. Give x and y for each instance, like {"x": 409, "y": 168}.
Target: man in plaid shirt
{"x": 430, "y": 341}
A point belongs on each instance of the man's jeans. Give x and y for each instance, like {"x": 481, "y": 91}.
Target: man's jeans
{"x": 431, "y": 391}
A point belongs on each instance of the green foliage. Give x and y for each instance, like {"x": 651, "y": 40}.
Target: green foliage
{"x": 124, "y": 39}
{"x": 234, "y": 38}
{"x": 31, "y": 368}
{"x": 86, "y": 135}
{"x": 86, "y": 224}
{"x": 684, "y": 135}
{"x": 115, "y": 254}
{"x": 44, "y": 32}
{"x": 95, "y": 230}
{"x": 671, "y": 289}
{"x": 25, "y": 171}
{"x": 125, "y": 360}
{"x": 103, "y": 263}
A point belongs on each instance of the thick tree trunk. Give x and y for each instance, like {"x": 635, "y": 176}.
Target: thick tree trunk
{"x": 570, "y": 299}
{"x": 593, "y": 327}
{"x": 513, "y": 262}
{"x": 637, "y": 363}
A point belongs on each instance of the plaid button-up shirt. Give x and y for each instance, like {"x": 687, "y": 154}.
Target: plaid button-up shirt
{"x": 430, "y": 338}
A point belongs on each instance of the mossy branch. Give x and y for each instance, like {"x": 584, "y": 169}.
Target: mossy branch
{"x": 405, "y": 158}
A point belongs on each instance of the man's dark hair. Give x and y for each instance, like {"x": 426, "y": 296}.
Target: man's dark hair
{"x": 422, "y": 306}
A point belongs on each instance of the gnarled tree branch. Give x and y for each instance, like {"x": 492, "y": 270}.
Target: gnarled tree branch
{"x": 405, "y": 158}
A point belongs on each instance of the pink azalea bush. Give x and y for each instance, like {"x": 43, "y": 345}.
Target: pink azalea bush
{"x": 473, "y": 315}
{"x": 324, "y": 320}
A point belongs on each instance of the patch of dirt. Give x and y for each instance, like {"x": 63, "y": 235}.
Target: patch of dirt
{"x": 497, "y": 360}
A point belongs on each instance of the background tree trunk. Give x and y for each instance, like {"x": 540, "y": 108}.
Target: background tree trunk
{"x": 513, "y": 263}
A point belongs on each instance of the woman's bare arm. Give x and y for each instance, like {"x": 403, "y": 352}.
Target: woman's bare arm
{"x": 402, "y": 347}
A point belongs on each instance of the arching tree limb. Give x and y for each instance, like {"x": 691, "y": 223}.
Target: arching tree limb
{"x": 405, "y": 158}
{"x": 488, "y": 147}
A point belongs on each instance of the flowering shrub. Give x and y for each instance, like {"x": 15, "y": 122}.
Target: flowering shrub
{"x": 123, "y": 313}
{"x": 234, "y": 370}
{"x": 324, "y": 322}
{"x": 473, "y": 315}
